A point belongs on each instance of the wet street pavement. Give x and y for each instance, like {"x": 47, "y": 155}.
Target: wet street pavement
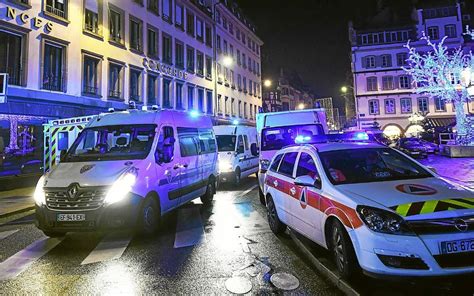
{"x": 199, "y": 251}
{"x": 457, "y": 169}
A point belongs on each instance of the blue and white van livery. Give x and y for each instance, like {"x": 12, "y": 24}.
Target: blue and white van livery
{"x": 127, "y": 169}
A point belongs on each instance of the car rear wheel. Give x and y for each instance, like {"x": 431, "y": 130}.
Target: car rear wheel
{"x": 343, "y": 250}
{"x": 54, "y": 233}
{"x": 150, "y": 217}
{"x": 275, "y": 223}
{"x": 207, "y": 198}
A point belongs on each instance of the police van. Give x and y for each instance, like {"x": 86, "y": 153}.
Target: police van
{"x": 127, "y": 169}
{"x": 279, "y": 129}
{"x": 238, "y": 152}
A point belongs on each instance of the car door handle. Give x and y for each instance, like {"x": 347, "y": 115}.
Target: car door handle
{"x": 293, "y": 191}
{"x": 275, "y": 183}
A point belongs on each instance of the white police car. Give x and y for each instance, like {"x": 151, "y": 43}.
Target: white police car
{"x": 374, "y": 208}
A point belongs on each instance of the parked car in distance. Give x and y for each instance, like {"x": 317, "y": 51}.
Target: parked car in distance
{"x": 32, "y": 166}
{"x": 413, "y": 147}
{"x": 238, "y": 152}
{"x": 430, "y": 147}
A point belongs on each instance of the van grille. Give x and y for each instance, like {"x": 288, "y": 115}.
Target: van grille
{"x": 87, "y": 198}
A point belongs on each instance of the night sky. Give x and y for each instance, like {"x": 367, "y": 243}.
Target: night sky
{"x": 311, "y": 37}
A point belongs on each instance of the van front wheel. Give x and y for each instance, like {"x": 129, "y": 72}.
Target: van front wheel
{"x": 150, "y": 216}
{"x": 207, "y": 198}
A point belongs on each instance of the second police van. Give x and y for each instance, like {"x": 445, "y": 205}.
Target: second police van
{"x": 127, "y": 169}
{"x": 238, "y": 152}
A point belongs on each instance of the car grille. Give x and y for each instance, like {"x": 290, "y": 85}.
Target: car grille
{"x": 437, "y": 226}
{"x": 87, "y": 198}
{"x": 455, "y": 260}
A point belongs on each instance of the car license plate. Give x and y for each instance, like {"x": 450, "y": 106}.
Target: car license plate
{"x": 71, "y": 217}
{"x": 457, "y": 246}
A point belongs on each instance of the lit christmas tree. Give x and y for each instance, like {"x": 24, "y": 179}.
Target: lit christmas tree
{"x": 446, "y": 74}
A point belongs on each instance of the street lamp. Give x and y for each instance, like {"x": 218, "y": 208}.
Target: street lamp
{"x": 267, "y": 83}
{"x": 344, "y": 89}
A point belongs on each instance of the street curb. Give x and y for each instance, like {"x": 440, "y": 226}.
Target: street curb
{"x": 333, "y": 277}
{"x": 17, "y": 212}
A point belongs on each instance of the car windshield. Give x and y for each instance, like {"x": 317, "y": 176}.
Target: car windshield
{"x": 225, "y": 143}
{"x": 369, "y": 165}
{"x": 116, "y": 142}
{"x": 276, "y": 138}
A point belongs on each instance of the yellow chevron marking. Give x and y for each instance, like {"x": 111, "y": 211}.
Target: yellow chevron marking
{"x": 403, "y": 209}
{"x": 429, "y": 207}
{"x": 459, "y": 203}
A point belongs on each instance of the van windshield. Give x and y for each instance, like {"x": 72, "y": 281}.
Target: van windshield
{"x": 225, "y": 143}
{"x": 275, "y": 138}
{"x": 117, "y": 142}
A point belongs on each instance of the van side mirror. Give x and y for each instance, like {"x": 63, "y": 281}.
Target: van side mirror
{"x": 308, "y": 181}
{"x": 254, "y": 149}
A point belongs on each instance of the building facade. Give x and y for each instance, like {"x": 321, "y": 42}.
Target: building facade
{"x": 69, "y": 58}
{"x": 384, "y": 94}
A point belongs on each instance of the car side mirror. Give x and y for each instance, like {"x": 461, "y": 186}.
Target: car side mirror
{"x": 254, "y": 149}
{"x": 308, "y": 181}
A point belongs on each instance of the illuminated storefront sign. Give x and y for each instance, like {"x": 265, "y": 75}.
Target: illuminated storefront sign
{"x": 24, "y": 17}
{"x": 164, "y": 69}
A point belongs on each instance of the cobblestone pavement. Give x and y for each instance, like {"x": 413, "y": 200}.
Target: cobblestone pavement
{"x": 461, "y": 169}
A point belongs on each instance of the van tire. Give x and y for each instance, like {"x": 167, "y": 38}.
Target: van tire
{"x": 149, "y": 217}
{"x": 261, "y": 196}
{"x": 237, "y": 177}
{"x": 343, "y": 251}
{"x": 274, "y": 221}
{"x": 54, "y": 233}
{"x": 207, "y": 198}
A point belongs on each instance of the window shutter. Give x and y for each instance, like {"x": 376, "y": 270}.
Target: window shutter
{"x": 92, "y": 5}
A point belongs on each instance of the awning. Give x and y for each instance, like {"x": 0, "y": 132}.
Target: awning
{"x": 441, "y": 122}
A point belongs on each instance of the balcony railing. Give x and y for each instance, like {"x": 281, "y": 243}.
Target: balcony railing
{"x": 92, "y": 90}
{"x": 115, "y": 94}
{"x": 56, "y": 11}
{"x": 14, "y": 75}
{"x": 53, "y": 83}
{"x": 92, "y": 28}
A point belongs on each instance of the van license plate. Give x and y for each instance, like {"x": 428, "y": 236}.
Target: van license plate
{"x": 71, "y": 217}
{"x": 458, "y": 246}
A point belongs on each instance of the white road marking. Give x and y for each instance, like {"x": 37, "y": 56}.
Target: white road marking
{"x": 247, "y": 191}
{"x": 19, "y": 262}
{"x": 6, "y": 234}
{"x": 189, "y": 229}
{"x": 110, "y": 247}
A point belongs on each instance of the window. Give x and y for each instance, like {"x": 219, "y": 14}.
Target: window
{"x": 12, "y": 60}
{"x": 402, "y": 59}
{"x": 404, "y": 81}
{"x": 116, "y": 26}
{"x": 231, "y": 51}
{"x": 374, "y": 107}
{"x": 115, "y": 80}
{"x": 287, "y": 164}
{"x": 231, "y": 28}
{"x": 200, "y": 100}
{"x": 152, "y": 35}
{"x": 239, "y": 110}
{"x": 179, "y": 55}
{"x": 218, "y": 41}
{"x": 244, "y": 62}
{"x": 135, "y": 85}
{"x": 152, "y": 87}
{"x": 224, "y": 23}
{"x": 189, "y": 23}
{"x": 389, "y": 106}
{"x": 91, "y": 21}
{"x": 276, "y": 163}
{"x": 243, "y": 38}
{"x": 244, "y": 82}
{"x": 370, "y": 62}
{"x": 245, "y": 110}
{"x": 199, "y": 30}
{"x": 225, "y": 48}
{"x": 405, "y": 104}
{"x": 239, "y": 61}
{"x": 240, "y": 145}
{"x": 306, "y": 166}
{"x": 433, "y": 33}
{"x": 209, "y": 67}
{"x": 440, "y": 104}
{"x": 166, "y": 93}
{"x": 179, "y": 96}
{"x": 57, "y": 8}
{"x": 372, "y": 84}
{"x": 135, "y": 34}
{"x": 208, "y": 35}
{"x": 237, "y": 33}
{"x": 387, "y": 82}
{"x": 226, "y": 106}
{"x": 179, "y": 16}
{"x": 209, "y": 102}
{"x": 166, "y": 10}
{"x": 200, "y": 62}
{"x": 188, "y": 141}
{"x": 219, "y": 73}
{"x": 386, "y": 60}
{"x": 239, "y": 82}
{"x": 423, "y": 104}
{"x": 246, "y": 142}
{"x": 190, "y": 59}
{"x": 250, "y": 87}
{"x": 152, "y": 6}
{"x": 167, "y": 50}
{"x": 232, "y": 107}
{"x": 164, "y": 152}
{"x": 219, "y": 104}
{"x": 232, "y": 80}
{"x": 91, "y": 75}
{"x": 207, "y": 141}
{"x": 450, "y": 31}
{"x": 190, "y": 97}
{"x": 54, "y": 67}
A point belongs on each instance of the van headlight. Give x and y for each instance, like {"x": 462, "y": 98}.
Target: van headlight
{"x": 39, "y": 195}
{"x": 121, "y": 188}
{"x": 383, "y": 221}
{"x": 225, "y": 166}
